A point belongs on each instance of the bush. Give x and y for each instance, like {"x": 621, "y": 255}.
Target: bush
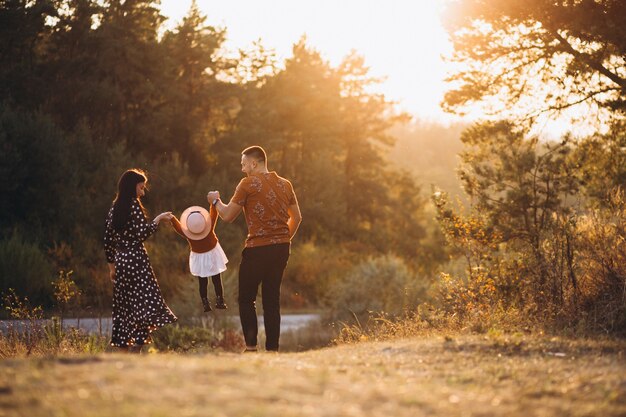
{"x": 29, "y": 334}
{"x": 380, "y": 284}
{"x": 307, "y": 279}
{"x": 600, "y": 282}
{"x": 25, "y": 268}
{"x": 193, "y": 335}
{"x": 315, "y": 335}
{"x": 573, "y": 280}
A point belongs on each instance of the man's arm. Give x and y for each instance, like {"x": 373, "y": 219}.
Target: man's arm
{"x": 227, "y": 212}
{"x": 295, "y": 218}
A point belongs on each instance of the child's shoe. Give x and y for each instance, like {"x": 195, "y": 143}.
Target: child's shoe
{"x": 219, "y": 303}
{"x": 207, "y": 305}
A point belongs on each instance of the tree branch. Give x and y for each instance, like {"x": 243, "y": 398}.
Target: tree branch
{"x": 585, "y": 58}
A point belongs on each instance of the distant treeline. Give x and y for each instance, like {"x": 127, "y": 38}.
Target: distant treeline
{"x": 89, "y": 89}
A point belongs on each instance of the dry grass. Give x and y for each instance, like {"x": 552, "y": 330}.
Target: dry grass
{"x": 432, "y": 376}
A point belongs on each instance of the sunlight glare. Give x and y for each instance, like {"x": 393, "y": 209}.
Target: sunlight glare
{"x": 401, "y": 40}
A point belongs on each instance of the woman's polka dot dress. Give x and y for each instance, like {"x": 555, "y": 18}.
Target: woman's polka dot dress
{"x": 138, "y": 306}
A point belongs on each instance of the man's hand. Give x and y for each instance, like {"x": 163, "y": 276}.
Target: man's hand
{"x": 212, "y": 196}
{"x": 227, "y": 212}
{"x": 295, "y": 218}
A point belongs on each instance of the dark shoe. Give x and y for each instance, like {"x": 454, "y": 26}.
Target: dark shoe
{"x": 219, "y": 303}
{"x": 207, "y": 305}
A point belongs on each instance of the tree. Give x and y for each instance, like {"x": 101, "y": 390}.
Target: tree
{"x": 601, "y": 163}
{"x": 367, "y": 119}
{"x": 327, "y": 133}
{"x": 22, "y": 26}
{"x": 523, "y": 213}
{"x": 294, "y": 114}
{"x": 75, "y": 91}
{"x": 195, "y": 106}
{"x": 536, "y": 56}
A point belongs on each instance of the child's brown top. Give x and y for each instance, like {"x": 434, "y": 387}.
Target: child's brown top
{"x": 202, "y": 245}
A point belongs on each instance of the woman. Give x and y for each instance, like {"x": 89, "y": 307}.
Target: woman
{"x": 138, "y": 306}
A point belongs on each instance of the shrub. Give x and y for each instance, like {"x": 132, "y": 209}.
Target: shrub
{"x": 600, "y": 281}
{"x": 378, "y": 284}
{"x": 192, "y": 335}
{"x": 25, "y": 268}
{"x": 308, "y": 279}
{"x": 29, "y": 334}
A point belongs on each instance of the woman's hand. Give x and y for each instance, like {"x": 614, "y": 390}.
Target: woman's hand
{"x": 165, "y": 215}
{"x": 112, "y": 272}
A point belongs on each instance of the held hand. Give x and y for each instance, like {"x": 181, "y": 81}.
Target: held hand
{"x": 112, "y": 272}
{"x": 212, "y": 196}
{"x": 165, "y": 215}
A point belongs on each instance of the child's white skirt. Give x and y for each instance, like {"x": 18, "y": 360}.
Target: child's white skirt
{"x": 208, "y": 263}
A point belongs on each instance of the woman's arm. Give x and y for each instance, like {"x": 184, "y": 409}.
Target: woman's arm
{"x": 109, "y": 240}
{"x": 140, "y": 225}
{"x": 109, "y": 247}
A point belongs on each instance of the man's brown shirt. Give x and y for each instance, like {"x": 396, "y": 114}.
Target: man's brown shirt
{"x": 265, "y": 198}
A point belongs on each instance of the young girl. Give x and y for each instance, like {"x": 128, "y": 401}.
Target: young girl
{"x": 206, "y": 257}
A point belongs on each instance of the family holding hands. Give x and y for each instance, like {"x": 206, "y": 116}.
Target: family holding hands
{"x": 272, "y": 215}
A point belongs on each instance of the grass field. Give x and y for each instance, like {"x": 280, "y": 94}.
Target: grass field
{"x": 430, "y": 376}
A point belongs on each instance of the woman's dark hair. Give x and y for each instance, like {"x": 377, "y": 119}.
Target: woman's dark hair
{"x": 126, "y": 192}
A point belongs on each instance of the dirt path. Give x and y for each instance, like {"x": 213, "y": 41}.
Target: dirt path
{"x": 435, "y": 376}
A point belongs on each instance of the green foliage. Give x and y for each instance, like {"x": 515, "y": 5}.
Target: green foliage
{"x": 25, "y": 269}
{"x": 381, "y": 284}
{"x": 532, "y": 250}
{"x": 312, "y": 272}
{"x": 183, "y": 338}
{"x": 539, "y": 240}
{"x": 20, "y": 308}
{"x": 65, "y": 289}
{"x": 66, "y": 293}
{"x": 314, "y": 335}
{"x": 34, "y": 163}
{"x": 194, "y": 337}
{"x": 29, "y": 334}
{"x": 602, "y": 163}
{"x": 601, "y": 274}
{"x": 27, "y": 318}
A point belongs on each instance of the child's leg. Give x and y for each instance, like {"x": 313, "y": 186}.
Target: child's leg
{"x": 203, "y": 283}
{"x": 219, "y": 292}
{"x": 217, "y": 284}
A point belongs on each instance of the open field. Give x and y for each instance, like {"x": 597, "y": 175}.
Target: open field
{"x": 429, "y": 376}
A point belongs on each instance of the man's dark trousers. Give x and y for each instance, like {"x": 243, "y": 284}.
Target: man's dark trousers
{"x": 262, "y": 265}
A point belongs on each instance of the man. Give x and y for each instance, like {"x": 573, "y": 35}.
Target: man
{"x": 273, "y": 216}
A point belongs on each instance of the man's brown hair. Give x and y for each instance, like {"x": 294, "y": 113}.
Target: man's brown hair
{"x": 255, "y": 152}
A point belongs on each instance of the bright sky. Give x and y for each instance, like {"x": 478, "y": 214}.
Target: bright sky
{"x": 402, "y": 40}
